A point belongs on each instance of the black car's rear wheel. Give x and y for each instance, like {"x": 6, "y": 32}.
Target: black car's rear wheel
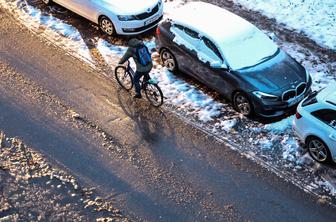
{"x": 242, "y": 104}
{"x": 318, "y": 150}
{"x": 106, "y": 25}
{"x": 168, "y": 60}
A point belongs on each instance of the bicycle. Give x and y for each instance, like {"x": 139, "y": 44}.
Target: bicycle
{"x": 125, "y": 75}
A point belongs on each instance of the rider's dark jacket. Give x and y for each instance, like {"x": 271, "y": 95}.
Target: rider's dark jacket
{"x": 131, "y": 52}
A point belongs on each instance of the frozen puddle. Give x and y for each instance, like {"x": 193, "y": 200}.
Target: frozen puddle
{"x": 272, "y": 145}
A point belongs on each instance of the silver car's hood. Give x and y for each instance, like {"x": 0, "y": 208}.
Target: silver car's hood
{"x": 128, "y": 7}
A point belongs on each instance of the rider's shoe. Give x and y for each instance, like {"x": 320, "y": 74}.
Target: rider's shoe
{"x": 137, "y": 96}
{"x": 153, "y": 81}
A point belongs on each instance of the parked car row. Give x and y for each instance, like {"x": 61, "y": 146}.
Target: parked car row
{"x": 242, "y": 63}
{"x": 230, "y": 55}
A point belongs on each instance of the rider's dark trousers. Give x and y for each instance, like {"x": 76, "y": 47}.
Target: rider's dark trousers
{"x": 137, "y": 77}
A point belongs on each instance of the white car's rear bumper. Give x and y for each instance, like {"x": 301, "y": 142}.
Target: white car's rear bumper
{"x": 298, "y": 132}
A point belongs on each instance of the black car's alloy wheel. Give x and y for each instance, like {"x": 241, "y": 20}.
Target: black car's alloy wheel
{"x": 106, "y": 26}
{"x": 242, "y": 104}
{"x": 318, "y": 150}
{"x": 168, "y": 60}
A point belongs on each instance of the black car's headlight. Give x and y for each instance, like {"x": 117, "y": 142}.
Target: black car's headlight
{"x": 126, "y": 17}
{"x": 265, "y": 96}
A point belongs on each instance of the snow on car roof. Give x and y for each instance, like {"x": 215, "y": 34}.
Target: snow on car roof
{"x": 216, "y": 22}
{"x": 328, "y": 94}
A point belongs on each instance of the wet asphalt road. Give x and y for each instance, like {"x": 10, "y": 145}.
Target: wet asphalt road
{"x": 157, "y": 166}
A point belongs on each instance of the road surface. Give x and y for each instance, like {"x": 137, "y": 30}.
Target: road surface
{"x": 155, "y": 165}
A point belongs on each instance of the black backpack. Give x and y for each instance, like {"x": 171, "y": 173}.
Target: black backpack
{"x": 143, "y": 55}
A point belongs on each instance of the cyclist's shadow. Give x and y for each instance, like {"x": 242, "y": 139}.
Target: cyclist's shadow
{"x": 151, "y": 122}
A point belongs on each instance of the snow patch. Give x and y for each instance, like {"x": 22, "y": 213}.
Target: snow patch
{"x": 315, "y": 18}
{"x": 280, "y": 126}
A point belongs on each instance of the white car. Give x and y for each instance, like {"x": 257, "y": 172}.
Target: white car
{"x": 315, "y": 124}
{"x": 123, "y": 17}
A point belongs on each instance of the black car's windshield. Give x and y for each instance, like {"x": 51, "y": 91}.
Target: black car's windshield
{"x": 248, "y": 49}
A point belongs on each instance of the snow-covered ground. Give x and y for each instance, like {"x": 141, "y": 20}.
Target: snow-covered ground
{"x": 314, "y": 18}
{"x": 272, "y": 145}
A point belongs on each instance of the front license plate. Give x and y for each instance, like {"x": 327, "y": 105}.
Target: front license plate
{"x": 295, "y": 100}
{"x": 149, "y": 21}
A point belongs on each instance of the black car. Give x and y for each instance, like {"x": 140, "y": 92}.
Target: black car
{"x": 234, "y": 57}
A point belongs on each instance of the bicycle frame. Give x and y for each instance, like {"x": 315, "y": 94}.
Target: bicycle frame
{"x": 150, "y": 87}
{"x": 131, "y": 71}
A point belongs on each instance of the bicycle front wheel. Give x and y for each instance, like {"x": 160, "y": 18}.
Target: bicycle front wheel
{"x": 124, "y": 78}
{"x": 154, "y": 94}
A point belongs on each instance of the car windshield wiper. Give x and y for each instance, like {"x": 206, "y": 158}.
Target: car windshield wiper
{"x": 263, "y": 59}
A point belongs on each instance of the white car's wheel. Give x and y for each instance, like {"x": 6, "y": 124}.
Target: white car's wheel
{"x": 318, "y": 150}
{"x": 106, "y": 25}
{"x": 168, "y": 60}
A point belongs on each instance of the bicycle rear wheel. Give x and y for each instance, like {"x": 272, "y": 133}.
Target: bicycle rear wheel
{"x": 124, "y": 78}
{"x": 154, "y": 94}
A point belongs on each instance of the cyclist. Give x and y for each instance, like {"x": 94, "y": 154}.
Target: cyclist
{"x": 142, "y": 58}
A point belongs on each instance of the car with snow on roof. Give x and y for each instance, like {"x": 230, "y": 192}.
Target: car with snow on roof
{"x": 315, "y": 124}
{"x": 123, "y": 17}
{"x": 232, "y": 56}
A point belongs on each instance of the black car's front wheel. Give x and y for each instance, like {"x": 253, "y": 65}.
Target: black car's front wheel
{"x": 168, "y": 60}
{"x": 106, "y": 25}
{"x": 242, "y": 104}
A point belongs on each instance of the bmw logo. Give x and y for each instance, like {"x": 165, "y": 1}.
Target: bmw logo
{"x": 148, "y": 10}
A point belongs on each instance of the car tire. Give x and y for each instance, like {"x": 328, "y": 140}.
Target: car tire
{"x": 47, "y": 2}
{"x": 106, "y": 26}
{"x": 318, "y": 150}
{"x": 242, "y": 104}
{"x": 168, "y": 60}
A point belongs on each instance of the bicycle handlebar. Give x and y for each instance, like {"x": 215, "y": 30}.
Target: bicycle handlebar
{"x": 127, "y": 64}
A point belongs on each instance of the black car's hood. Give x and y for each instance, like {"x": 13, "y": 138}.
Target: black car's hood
{"x": 279, "y": 72}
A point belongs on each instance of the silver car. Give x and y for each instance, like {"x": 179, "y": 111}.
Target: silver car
{"x": 123, "y": 17}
